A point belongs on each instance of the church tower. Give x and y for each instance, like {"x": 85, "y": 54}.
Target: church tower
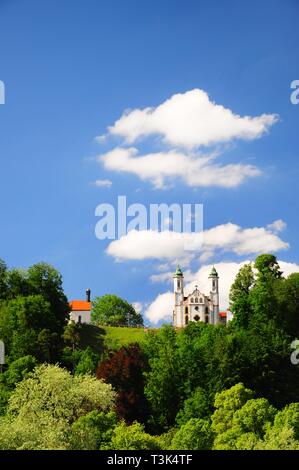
{"x": 214, "y": 295}
{"x": 178, "y": 288}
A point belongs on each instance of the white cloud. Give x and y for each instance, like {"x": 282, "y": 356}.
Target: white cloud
{"x": 103, "y": 183}
{"x": 161, "y": 308}
{"x": 138, "y": 306}
{"x": 190, "y": 120}
{"x": 143, "y": 244}
{"x": 277, "y": 226}
{"x": 193, "y": 169}
{"x": 167, "y": 276}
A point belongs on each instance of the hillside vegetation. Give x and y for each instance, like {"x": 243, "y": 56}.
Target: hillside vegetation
{"x": 110, "y": 337}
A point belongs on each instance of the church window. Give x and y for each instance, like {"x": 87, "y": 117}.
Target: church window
{"x": 207, "y": 311}
{"x": 186, "y": 320}
{"x": 196, "y": 308}
{"x": 196, "y": 300}
{"x": 192, "y": 300}
{"x": 196, "y": 318}
{"x": 207, "y": 319}
{"x": 186, "y": 309}
{"x": 214, "y": 283}
{"x": 201, "y": 300}
{"x": 179, "y": 284}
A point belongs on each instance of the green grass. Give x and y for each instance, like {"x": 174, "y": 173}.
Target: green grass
{"x": 110, "y": 337}
{"x": 117, "y": 336}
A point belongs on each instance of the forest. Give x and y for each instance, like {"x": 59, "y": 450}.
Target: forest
{"x": 203, "y": 387}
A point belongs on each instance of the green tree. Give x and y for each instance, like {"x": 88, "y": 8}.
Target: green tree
{"x": 88, "y": 362}
{"x": 112, "y": 310}
{"x": 254, "y": 417}
{"x": 93, "y": 431}
{"x": 44, "y": 406}
{"x": 239, "y": 296}
{"x": 19, "y": 370}
{"x": 72, "y": 334}
{"x": 21, "y": 322}
{"x": 196, "y": 434}
{"x": 132, "y": 437}
{"x": 163, "y": 380}
{"x": 267, "y": 265}
{"x": 196, "y": 406}
{"x": 226, "y": 404}
{"x": 3, "y": 279}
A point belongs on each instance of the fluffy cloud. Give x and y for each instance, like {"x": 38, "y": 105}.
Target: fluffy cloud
{"x": 162, "y": 167}
{"x": 161, "y": 308}
{"x": 139, "y": 245}
{"x": 190, "y": 120}
{"x": 138, "y": 306}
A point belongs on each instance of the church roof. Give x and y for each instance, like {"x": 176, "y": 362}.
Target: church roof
{"x": 178, "y": 271}
{"x": 213, "y": 272}
{"x": 80, "y": 306}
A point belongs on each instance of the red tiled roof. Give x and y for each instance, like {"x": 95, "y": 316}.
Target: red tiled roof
{"x": 80, "y": 305}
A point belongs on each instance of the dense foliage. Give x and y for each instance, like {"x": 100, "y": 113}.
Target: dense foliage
{"x": 202, "y": 387}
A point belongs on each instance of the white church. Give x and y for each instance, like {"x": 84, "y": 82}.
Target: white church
{"x": 196, "y": 306}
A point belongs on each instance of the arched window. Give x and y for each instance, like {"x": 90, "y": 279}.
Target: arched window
{"x": 207, "y": 310}
{"x": 201, "y": 300}
{"x": 186, "y": 320}
{"x": 196, "y": 308}
{"x": 214, "y": 283}
{"x": 186, "y": 309}
{"x": 192, "y": 300}
{"x": 179, "y": 284}
{"x": 207, "y": 319}
{"x": 196, "y": 300}
{"x": 196, "y": 318}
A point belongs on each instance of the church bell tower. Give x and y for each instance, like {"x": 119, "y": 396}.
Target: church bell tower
{"x": 214, "y": 294}
{"x": 178, "y": 288}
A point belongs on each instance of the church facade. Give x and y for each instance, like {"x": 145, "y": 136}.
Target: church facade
{"x": 195, "y": 306}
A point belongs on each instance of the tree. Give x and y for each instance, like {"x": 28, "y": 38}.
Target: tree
{"x": 44, "y": 406}
{"x": 196, "y": 434}
{"x": 132, "y": 438}
{"x": 19, "y": 370}
{"x": 22, "y": 321}
{"x": 196, "y": 406}
{"x": 163, "y": 379}
{"x": 267, "y": 265}
{"x": 124, "y": 370}
{"x": 114, "y": 311}
{"x": 93, "y": 431}
{"x": 226, "y": 404}
{"x": 239, "y": 296}
{"x": 254, "y": 417}
{"x": 287, "y": 298}
{"x": 72, "y": 334}
{"x": 3, "y": 279}
{"x": 88, "y": 362}
{"x": 45, "y": 280}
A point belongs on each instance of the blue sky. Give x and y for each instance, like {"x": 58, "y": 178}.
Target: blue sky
{"x": 70, "y": 70}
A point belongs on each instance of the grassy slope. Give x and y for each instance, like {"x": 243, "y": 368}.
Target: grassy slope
{"x": 111, "y": 337}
